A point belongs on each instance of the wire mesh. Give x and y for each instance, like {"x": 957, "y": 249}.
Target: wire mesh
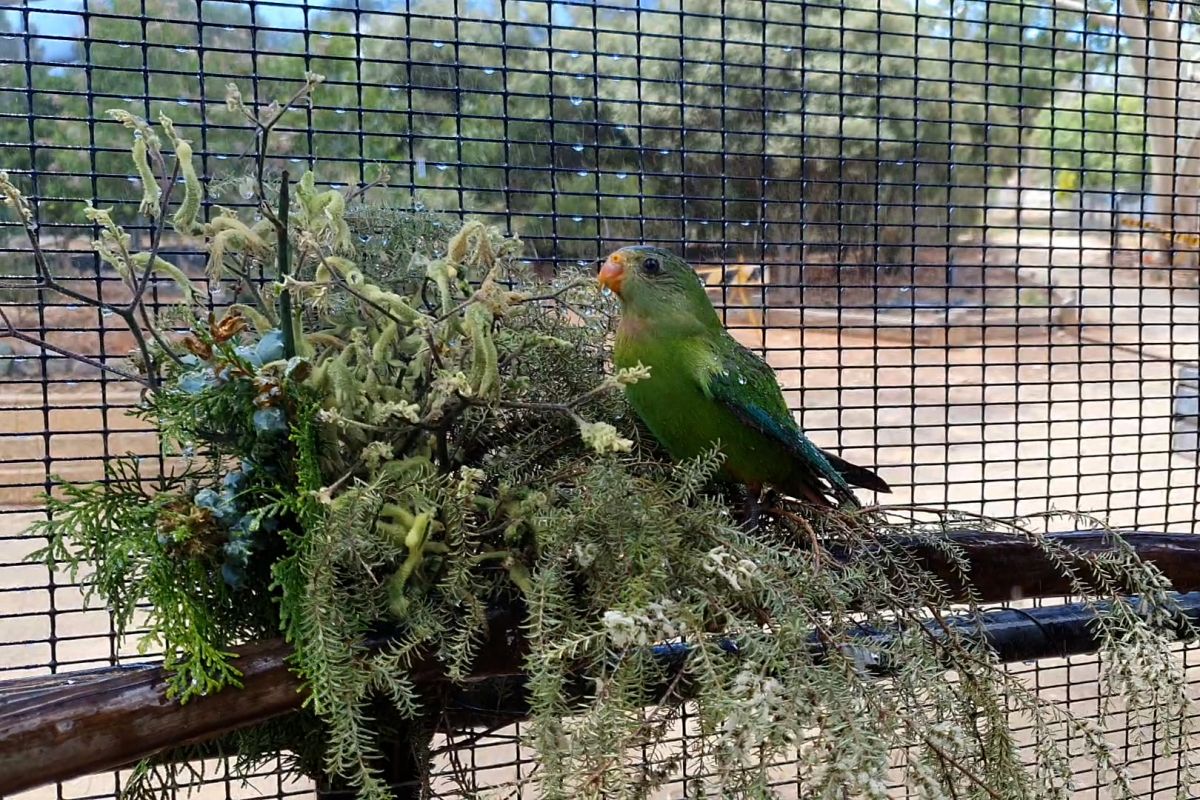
{"x": 918, "y": 213}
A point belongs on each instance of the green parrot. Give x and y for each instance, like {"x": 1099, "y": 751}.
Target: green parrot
{"x": 705, "y": 387}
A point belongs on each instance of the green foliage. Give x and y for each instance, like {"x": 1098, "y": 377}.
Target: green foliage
{"x": 449, "y": 442}
{"x": 153, "y": 548}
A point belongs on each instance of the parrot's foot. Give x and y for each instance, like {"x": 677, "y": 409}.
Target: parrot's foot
{"x": 803, "y": 526}
{"x": 752, "y": 510}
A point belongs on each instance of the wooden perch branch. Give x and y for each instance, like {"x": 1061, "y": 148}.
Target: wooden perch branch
{"x": 1004, "y": 567}
{"x": 63, "y": 726}
{"x": 74, "y": 724}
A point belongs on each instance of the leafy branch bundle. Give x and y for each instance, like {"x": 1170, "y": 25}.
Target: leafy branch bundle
{"x": 407, "y": 429}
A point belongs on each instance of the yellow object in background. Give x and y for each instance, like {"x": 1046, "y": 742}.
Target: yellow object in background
{"x": 1180, "y": 239}
{"x": 742, "y": 280}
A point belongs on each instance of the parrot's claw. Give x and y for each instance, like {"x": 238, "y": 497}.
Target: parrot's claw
{"x": 752, "y": 510}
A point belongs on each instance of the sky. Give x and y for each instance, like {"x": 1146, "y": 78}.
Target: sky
{"x": 63, "y": 18}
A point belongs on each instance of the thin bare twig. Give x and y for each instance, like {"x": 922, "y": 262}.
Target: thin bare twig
{"x": 359, "y": 191}
{"x": 46, "y": 282}
{"x": 10, "y": 330}
{"x": 139, "y": 286}
{"x": 966, "y": 771}
{"x": 252, "y": 286}
{"x": 262, "y": 137}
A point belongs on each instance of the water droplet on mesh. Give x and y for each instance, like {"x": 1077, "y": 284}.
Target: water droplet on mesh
{"x": 576, "y": 101}
{"x": 581, "y": 77}
{"x": 183, "y": 102}
{"x": 614, "y": 57}
{"x": 439, "y": 45}
{"x": 108, "y": 312}
{"x": 181, "y": 50}
{"x": 222, "y": 157}
{"x": 663, "y": 152}
{"x": 489, "y": 71}
{"x": 326, "y": 35}
{"x": 905, "y": 289}
{"x": 393, "y": 88}
{"x": 622, "y": 176}
{"x": 296, "y": 160}
{"x": 583, "y": 173}
{"x": 620, "y": 128}
{"x": 339, "y": 111}
{"x": 134, "y": 180}
{"x": 788, "y": 49}
{"x": 72, "y": 308}
{"x": 578, "y": 148}
{"x": 745, "y": 223}
{"x": 576, "y": 219}
{"x": 125, "y": 46}
{"x": 442, "y": 167}
{"x": 583, "y": 262}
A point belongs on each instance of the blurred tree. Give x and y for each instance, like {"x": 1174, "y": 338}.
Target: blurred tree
{"x": 1159, "y": 51}
{"x": 1096, "y": 141}
{"x": 757, "y": 125}
{"x": 856, "y": 122}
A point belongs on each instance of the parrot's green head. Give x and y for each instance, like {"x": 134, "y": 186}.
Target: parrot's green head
{"x": 655, "y": 284}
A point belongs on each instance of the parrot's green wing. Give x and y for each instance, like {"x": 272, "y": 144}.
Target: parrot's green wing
{"x": 747, "y": 386}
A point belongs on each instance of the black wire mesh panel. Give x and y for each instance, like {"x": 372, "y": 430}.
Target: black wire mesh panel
{"x": 963, "y": 232}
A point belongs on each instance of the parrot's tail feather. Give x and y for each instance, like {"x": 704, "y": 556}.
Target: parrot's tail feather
{"x": 858, "y": 476}
{"x": 810, "y": 493}
{"x": 846, "y": 498}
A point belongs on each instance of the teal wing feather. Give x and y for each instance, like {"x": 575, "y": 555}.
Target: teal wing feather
{"x": 748, "y": 387}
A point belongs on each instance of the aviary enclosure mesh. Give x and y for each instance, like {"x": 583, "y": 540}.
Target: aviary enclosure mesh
{"x": 936, "y": 202}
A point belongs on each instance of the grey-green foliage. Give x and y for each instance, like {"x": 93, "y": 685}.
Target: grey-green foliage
{"x": 826, "y": 123}
{"x": 776, "y": 701}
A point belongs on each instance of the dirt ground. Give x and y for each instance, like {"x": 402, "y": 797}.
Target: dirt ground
{"x": 1062, "y": 420}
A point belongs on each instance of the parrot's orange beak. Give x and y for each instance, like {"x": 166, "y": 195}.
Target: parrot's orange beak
{"x": 612, "y": 274}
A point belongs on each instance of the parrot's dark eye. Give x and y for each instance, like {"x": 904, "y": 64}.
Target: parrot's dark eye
{"x": 651, "y": 266}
